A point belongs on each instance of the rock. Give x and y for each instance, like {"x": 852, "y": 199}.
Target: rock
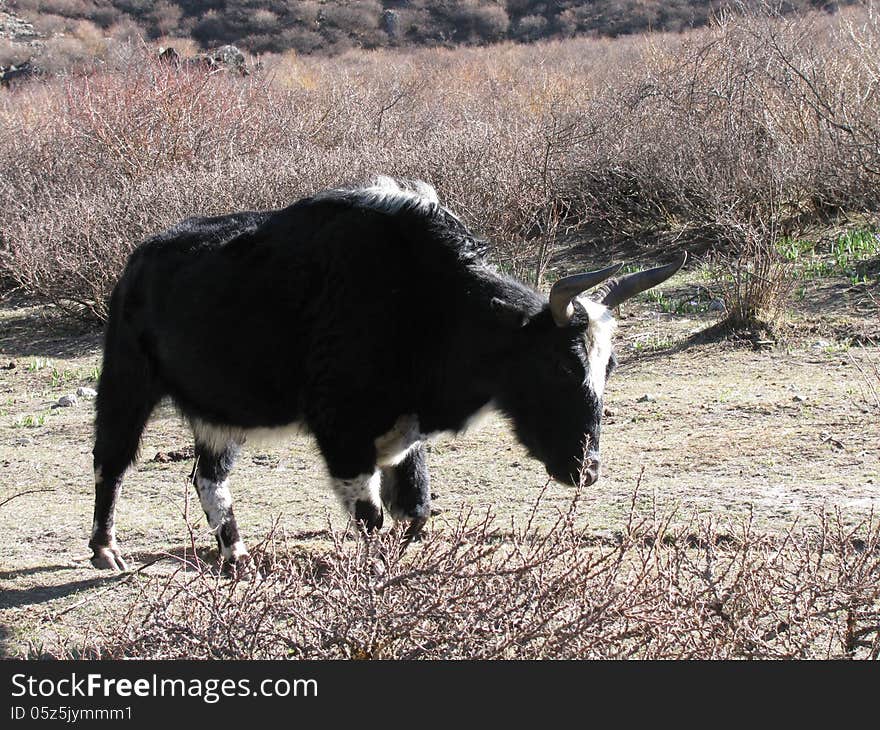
{"x": 646, "y": 398}
{"x": 184, "y": 454}
{"x": 716, "y": 305}
{"x": 19, "y": 72}
{"x": 225, "y": 58}
{"x": 14, "y": 28}
{"x": 821, "y": 344}
{"x": 798, "y": 398}
{"x": 391, "y": 23}
{"x": 609, "y": 412}
{"x": 66, "y": 401}
{"x": 265, "y": 460}
{"x": 229, "y": 58}
{"x": 86, "y": 393}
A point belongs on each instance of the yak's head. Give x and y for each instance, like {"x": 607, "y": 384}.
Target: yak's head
{"x": 555, "y": 376}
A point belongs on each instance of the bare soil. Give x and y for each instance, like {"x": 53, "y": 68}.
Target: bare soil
{"x": 727, "y": 430}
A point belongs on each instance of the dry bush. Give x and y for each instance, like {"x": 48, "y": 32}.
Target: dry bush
{"x": 711, "y": 139}
{"x": 735, "y": 136}
{"x": 13, "y": 53}
{"x": 755, "y": 283}
{"x": 49, "y": 24}
{"x": 751, "y": 273}
{"x": 65, "y": 52}
{"x": 165, "y": 18}
{"x": 121, "y": 155}
{"x": 472, "y": 590}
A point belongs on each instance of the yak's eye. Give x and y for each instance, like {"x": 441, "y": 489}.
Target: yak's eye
{"x": 570, "y": 367}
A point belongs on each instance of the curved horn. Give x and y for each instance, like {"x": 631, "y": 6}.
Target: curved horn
{"x": 568, "y": 287}
{"x": 619, "y": 290}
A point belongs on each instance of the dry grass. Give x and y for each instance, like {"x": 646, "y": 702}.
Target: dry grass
{"x": 476, "y": 590}
{"x": 692, "y": 137}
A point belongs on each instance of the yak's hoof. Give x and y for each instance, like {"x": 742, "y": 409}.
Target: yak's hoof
{"x": 108, "y": 558}
{"x": 368, "y": 516}
{"x": 242, "y": 567}
{"x": 413, "y": 532}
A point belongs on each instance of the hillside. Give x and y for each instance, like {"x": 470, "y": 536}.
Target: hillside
{"x": 333, "y": 26}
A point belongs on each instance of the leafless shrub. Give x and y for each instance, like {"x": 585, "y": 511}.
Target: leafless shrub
{"x": 13, "y": 53}
{"x": 728, "y": 138}
{"x": 166, "y": 17}
{"x": 65, "y": 52}
{"x": 755, "y": 284}
{"x": 751, "y": 273}
{"x": 869, "y": 370}
{"x": 474, "y": 590}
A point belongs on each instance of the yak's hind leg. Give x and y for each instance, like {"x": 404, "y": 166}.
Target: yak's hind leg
{"x": 406, "y": 490}
{"x": 210, "y": 477}
{"x": 127, "y": 394}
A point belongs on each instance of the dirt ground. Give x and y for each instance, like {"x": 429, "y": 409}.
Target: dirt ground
{"x": 707, "y": 429}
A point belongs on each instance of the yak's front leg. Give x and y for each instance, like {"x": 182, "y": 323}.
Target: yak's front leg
{"x": 351, "y": 463}
{"x": 105, "y": 550}
{"x": 210, "y": 477}
{"x": 360, "y": 497}
{"x": 406, "y": 490}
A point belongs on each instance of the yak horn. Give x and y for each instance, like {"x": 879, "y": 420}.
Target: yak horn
{"x": 618, "y": 290}
{"x": 568, "y": 287}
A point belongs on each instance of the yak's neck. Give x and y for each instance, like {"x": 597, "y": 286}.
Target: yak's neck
{"x": 467, "y": 356}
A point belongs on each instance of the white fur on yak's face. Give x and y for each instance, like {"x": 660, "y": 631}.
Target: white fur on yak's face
{"x": 599, "y": 336}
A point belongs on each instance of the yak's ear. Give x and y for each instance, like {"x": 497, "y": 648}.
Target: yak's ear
{"x": 509, "y": 314}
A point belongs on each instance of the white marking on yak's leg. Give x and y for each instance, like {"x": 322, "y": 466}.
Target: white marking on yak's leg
{"x": 406, "y": 491}
{"x": 216, "y": 502}
{"x": 360, "y": 497}
{"x": 477, "y": 418}
{"x": 213, "y": 464}
{"x": 215, "y": 438}
{"x": 109, "y": 527}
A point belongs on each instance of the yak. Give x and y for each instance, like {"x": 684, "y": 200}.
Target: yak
{"x": 367, "y": 317}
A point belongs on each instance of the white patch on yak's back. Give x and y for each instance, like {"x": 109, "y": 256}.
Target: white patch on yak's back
{"x": 216, "y": 437}
{"x": 389, "y": 195}
{"x": 599, "y": 336}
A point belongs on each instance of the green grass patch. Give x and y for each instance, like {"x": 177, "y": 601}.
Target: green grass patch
{"x": 847, "y": 255}
{"x": 30, "y": 421}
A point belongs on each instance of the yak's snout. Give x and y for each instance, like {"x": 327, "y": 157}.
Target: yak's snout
{"x": 586, "y": 472}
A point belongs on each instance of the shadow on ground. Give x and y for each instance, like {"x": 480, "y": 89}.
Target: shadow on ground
{"x": 16, "y": 598}
{"x": 28, "y": 329}
{"x": 15, "y": 574}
